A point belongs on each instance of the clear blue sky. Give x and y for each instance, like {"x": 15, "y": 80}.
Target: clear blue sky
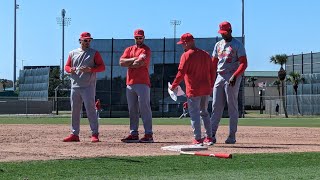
{"x": 271, "y": 27}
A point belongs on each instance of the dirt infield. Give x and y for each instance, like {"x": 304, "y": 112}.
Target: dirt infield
{"x": 44, "y": 142}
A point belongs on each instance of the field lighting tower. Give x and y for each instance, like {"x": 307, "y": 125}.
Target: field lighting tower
{"x": 175, "y": 23}
{"x": 16, "y": 6}
{"x": 63, "y": 21}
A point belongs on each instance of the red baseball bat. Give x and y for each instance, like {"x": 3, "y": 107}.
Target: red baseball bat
{"x": 217, "y": 155}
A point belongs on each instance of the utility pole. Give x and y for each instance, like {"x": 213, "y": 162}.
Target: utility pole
{"x": 63, "y": 21}
{"x": 16, "y": 6}
{"x": 175, "y": 23}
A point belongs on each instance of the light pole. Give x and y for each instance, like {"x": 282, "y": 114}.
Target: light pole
{"x": 22, "y": 64}
{"x": 243, "y": 22}
{"x": 63, "y": 21}
{"x": 16, "y": 6}
{"x": 175, "y": 23}
{"x": 243, "y": 42}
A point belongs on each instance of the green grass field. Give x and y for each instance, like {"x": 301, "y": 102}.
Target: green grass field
{"x": 242, "y": 166}
{"x": 276, "y": 122}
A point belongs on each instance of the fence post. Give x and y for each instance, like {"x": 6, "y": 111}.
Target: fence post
{"x": 56, "y": 99}
{"x": 27, "y": 106}
{"x": 261, "y": 102}
{"x": 163, "y": 83}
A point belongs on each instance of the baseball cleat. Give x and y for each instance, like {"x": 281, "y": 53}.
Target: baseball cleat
{"x": 197, "y": 142}
{"x": 95, "y": 138}
{"x": 208, "y": 141}
{"x": 131, "y": 139}
{"x": 231, "y": 140}
{"x": 71, "y": 138}
{"x": 147, "y": 138}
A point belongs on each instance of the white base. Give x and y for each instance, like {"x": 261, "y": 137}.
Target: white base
{"x": 179, "y": 148}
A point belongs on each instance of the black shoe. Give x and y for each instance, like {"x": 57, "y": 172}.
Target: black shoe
{"x": 231, "y": 140}
{"x": 214, "y": 140}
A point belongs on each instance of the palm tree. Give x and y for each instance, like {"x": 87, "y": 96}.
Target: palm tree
{"x": 252, "y": 80}
{"x": 295, "y": 78}
{"x": 277, "y": 83}
{"x": 281, "y": 59}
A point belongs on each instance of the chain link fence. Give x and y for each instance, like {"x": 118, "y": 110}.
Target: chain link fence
{"x": 265, "y": 106}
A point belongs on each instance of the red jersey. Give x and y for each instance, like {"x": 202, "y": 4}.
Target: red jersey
{"x": 98, "y": 105}
{"x": 138, "y": 75}
{"x": 196, "y": 68}
{"x": 185, "y": 105}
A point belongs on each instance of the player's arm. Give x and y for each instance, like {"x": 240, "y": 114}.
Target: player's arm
{"x": 125, "y": 60}
{"x": 137, "y": 64}
{"x": 68, "y": 67}
{"x": 140, "y": 61}
{"x": 99, "y": 64}
{"x": 181, "y": 73}
{"x": 242, "y": 67}
{"x": 213, "y": 70}
{"x": 243, "y": 64}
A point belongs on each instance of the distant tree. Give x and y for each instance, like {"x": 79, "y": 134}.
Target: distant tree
{"x": 281, "y": 59}
{"x": 253, "y": 85}
{"x": 4, "y": 84}
{"x": 277, "y": 83}
{"x": 119, "y": 82}
{"x": 55, "y": 81}
{"x": 295, "y": 78}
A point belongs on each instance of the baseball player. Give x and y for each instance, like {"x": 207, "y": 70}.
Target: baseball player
{"x": 137, "y": 59}
{"x": 196, "y": 69}
{"x": 83, "y": 64}
{"x": 230, "y": 61}
{"x": 98, "y": 108}
{"x": 185, "y": 110}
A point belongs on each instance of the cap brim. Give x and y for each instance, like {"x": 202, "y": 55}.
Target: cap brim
{"x": 138, "y": 35}
{"x": 86, "y": 38}
{"x": 180, "y": 42}
{"x": 222, "y": 32}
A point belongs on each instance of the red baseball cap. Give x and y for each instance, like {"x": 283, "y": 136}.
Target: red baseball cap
{"x": 85, "y": 35}
{"x": 224, "y": 27}
{"x": 187, "y": 37}
{"x": 138, "y": 33}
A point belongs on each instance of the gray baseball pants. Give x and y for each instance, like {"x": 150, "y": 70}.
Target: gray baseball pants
{"x": 223, "y": 92}
{"x": 198, "y": 107}
{"x": 87, "y": 96}
{"x": 138, "y": 97}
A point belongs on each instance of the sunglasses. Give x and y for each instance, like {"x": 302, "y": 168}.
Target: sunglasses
{"x": 138, "y": 38}
{"x": 87, "y": 40}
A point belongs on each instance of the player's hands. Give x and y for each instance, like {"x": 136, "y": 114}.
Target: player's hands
{"x": 85, "y": 69}
{"x": 232, "y": 80}
{"x": 175, "y": 90}
{"x": 73, "y": 70}
{"x": 138, "y": 61}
